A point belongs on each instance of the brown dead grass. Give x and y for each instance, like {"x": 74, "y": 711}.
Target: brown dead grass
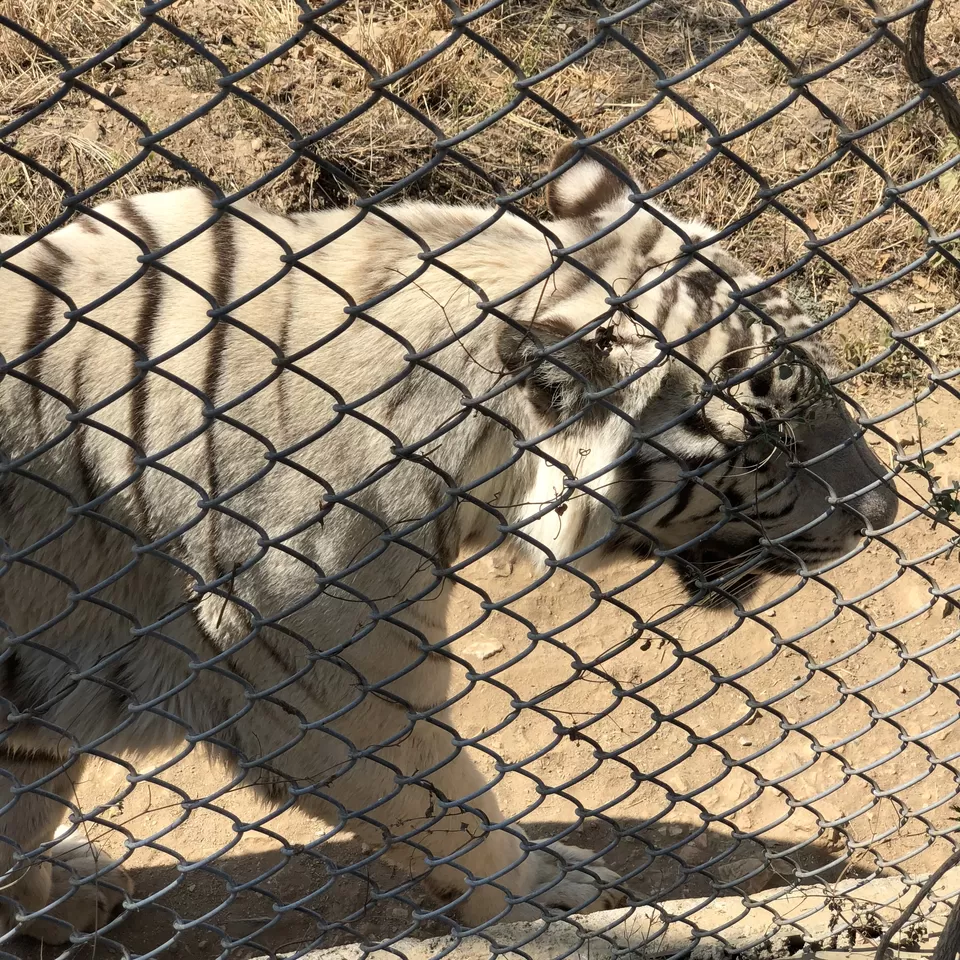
{"x": 160, "y": 79}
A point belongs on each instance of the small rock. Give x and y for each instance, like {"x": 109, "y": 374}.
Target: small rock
{"x": 833, "y": 839}
{"x": 256, "y": 144}
{"x": 887, "y": 301}
{"x": 484, "y": 650}
{"x": 802, "y": 696}
{"x": 191, "y": 887}
{"x": 669, "y": 121}
{"x": 99, "y": 106}
{"x": 501, "y": 566}
{"x": 745, "y": 742}
{"x": 925, "y": 283}
{"x": 674, "y": 830}
{"x": 363, "y": 35}
{"x": 91, "y": 130}
{"x": 697, "y": 851}
{"x": 736, "y": 869}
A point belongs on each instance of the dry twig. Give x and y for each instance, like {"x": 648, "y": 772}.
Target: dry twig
{"x": 948, "y": 942}
{"x": 915, "y": 61}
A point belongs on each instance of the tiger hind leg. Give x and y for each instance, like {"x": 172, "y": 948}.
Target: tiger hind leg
{"x": 34, "y": 876}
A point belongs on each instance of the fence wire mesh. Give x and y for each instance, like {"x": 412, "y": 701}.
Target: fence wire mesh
{"x": 394, "y": 571}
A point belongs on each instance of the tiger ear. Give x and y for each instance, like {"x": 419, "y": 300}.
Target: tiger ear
{"x": 595, "y": 181}
{"x": 559, "y": 376}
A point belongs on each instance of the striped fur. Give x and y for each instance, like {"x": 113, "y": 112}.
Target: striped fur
{"x": 230, "y": 486}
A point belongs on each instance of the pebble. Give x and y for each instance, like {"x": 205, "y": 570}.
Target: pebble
{"x": 484, "y": 650}
{"x": 91, "y": 130}
{"x": 744, "y": 742}
{"x": 833, "y": 839}
{"x": 740, "y": 868}
{"x": 697, "y": 851}
{"x": 256, "y": 144}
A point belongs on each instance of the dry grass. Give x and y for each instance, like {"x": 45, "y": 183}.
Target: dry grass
{"x": 160, "y": 79}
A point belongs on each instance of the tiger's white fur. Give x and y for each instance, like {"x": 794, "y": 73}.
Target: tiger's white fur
{"x": 228, "y": 512}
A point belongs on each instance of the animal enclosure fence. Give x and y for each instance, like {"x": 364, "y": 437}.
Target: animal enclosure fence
{"x": 803, "y": 739}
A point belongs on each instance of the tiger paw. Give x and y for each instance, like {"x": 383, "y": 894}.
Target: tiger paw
{"x": 88, "y": 905}
{"x": 566, "y": 885}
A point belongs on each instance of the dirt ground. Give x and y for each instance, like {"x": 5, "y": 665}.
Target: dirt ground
{"x": 810, "y": 742}
{"x": 806, "y": 742}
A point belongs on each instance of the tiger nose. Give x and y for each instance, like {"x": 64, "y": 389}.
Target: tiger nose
{"x": 878, "y": 506}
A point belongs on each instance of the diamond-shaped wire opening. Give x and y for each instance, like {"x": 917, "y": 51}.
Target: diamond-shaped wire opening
{"x": 793, "y": 738}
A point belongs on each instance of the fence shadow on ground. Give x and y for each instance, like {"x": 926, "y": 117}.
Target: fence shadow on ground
{"x": 345, "y": 909}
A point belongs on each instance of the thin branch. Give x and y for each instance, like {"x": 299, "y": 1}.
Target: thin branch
{"x": 949, "y": 940}
{"x": 908, "y": 911}
{"x": 914, "y": 59}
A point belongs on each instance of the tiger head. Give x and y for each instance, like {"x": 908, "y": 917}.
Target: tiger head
{"x": 733, "y": 453}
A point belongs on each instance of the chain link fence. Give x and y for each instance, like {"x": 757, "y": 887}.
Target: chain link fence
{"x": 395, "y": 572}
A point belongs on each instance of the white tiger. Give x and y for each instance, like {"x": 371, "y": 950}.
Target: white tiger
{"x": 242, "y": 451}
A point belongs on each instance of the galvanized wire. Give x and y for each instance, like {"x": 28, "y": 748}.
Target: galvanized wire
{"x": 466, "y": 26}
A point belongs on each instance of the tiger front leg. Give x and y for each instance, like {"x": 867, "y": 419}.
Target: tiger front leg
{"x": 66, "y": 874}
{"x": 439, "y": 819}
